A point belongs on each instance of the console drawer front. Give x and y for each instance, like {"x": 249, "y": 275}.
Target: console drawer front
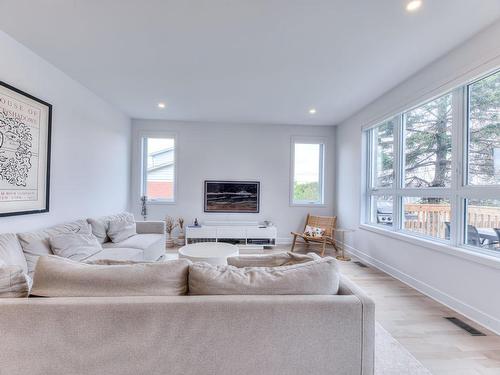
{"x": 202, "y": 232}
{"x": 261, "y": 233}
{"x": 231, "y": 232}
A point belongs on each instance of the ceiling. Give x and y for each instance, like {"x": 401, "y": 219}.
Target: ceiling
{"x": 253, "y": 61}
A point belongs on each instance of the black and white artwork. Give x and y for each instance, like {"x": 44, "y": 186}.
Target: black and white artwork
{"x": 232, "y": 196}
{"x": 25, "y": 124}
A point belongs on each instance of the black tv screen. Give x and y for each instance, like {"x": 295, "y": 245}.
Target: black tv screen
{"x": 232, "y": 196}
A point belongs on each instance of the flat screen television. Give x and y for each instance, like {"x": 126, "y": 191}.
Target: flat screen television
{"x": 232, "y": 196}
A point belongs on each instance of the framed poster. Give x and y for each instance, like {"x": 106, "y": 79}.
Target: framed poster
{"x": 25, "y": 126}
{"x": 232, "y": 196}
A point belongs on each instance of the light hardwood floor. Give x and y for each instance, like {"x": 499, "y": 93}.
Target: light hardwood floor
{"x": 417, "y": 322}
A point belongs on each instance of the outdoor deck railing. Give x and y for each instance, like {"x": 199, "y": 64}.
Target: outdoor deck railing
{"x": 429, "y": 219}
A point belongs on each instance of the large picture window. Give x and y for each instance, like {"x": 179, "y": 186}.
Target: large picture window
{"x": 158, "y": 165}
{"x": 433, "y": 171}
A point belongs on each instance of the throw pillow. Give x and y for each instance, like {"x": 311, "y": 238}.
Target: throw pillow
{"x": 100, "y": 225}
{"x": 11, "y": 252}
{"x": 36, "y": 243}
{"x": 61, "y": 277}
{"x": 316, "y": 277}
{"x": 271, "y": 260}
{"x": 120, "y": 230}
{"x": 314, "y": 231}
{"x": 76, "y": 246}
{"x": 14, "y": 283}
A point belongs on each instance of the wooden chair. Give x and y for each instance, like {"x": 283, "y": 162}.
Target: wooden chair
{"x": 328, "y": 223}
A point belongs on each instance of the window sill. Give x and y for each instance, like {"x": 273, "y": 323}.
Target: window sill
{"x": 160, "y": 203}
{"x": 461, "y": 252}
{"x": 307, "y": 204}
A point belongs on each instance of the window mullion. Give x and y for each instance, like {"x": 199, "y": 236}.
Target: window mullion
{"x": 144, "y": 167}
{"x": 398, "y": 173}
{"x": 457, "y": 165}
{"x": 367, "y": 213}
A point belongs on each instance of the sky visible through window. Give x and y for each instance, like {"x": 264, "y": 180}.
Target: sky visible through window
{"x": 157, "y": 144}
{"x": 306, "y": 162}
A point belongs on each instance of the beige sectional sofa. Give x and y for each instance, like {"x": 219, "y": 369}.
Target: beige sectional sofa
{"x": 179, "y": 330}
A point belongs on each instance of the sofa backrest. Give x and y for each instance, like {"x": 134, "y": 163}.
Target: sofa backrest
{"x": 35, "y": 244}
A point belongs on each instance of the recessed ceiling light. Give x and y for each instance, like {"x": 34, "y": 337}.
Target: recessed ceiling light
{"x": 312, "y": 111}
{"x": 161, "y": 105}
{"x": 413, "y": 5}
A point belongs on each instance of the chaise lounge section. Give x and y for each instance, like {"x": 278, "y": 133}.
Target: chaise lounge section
{"x": 147, "y": 244}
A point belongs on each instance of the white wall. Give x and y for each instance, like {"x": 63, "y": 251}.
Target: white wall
{"x": 90, "y": 163}
{"x": 467, "y": 286}
{"x": 235, "y": 152}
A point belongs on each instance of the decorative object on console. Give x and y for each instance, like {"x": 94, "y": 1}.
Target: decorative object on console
{"x": 144, "y": 207}
{"x": 181, "y": 238}
{"x": 25, "y": 127}
{"x": 232, "y": 196}
{"x": 169, "y": 227}
{"x": 195, "y": 223}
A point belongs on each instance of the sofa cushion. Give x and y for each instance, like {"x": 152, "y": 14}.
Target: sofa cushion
{"x": 35, "y": 244}
{"x": 100, "y": 225}
{"x": 118, "y": 253}
{"x": 61, "y": 277}
{"x": 76, "y": 246}
{"x": 152, "y": 245}
{"x": 14, "y": 282}
{"x": 120, "y": 230}
{"x": 11, "y": 252}
{"x": 139, "y": 241}
{"x": 271, "y": 260}
{"x": 316, "y": 277}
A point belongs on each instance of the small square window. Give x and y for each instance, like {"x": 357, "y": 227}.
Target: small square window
{"x": 483, "y": 223}
{"x": 382, "y": 212}
{"x": 427, "y": 216}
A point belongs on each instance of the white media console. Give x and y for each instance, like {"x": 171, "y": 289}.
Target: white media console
{"x": 246, "y": 235}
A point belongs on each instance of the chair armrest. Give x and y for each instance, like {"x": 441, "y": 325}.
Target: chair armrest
{"x": 148, "y": 227}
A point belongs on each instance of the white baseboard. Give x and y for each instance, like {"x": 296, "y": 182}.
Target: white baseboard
{"x": 478, "y": 316}
{"x": 284, "y": 241}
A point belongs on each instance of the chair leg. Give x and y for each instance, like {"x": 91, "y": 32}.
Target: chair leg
{"x": 323, "y": 249}
{"x": 293, "y": 244}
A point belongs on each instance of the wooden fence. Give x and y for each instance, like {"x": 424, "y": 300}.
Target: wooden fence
{"x": 430, "y": 219}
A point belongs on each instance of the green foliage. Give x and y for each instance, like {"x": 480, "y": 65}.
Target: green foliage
{"x": 306, "y": 191}
{"x": 427, "y": 139}
{"x": 484, "y": 129}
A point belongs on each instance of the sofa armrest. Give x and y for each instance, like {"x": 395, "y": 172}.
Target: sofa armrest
{"x": 148, "y": 227}
{"x": 347, "y": 287}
